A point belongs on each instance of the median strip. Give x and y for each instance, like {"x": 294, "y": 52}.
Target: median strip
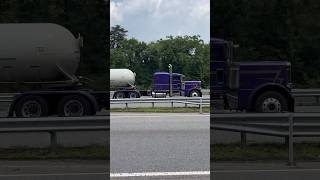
{"x": 259, "y": 152}
{"x": 93, "y": 152}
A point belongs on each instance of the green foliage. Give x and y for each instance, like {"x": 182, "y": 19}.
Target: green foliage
{"x": 273, "y": 30}
{"x": 189, "y": 55}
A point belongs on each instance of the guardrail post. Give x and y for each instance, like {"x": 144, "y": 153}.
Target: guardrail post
{"x": 291, "y": 158}
{"x": 243, "y": 139}
{"x": 200, "y": 110}
{"x": 152, "y": 104}
{"x": 126, "y": 105}
{"x": 53, "y": 141}
{"x": 172, "y": 106}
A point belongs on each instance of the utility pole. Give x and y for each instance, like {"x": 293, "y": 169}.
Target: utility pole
{"x": 170, "y": 80}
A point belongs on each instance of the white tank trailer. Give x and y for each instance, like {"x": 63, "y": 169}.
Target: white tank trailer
{"x": 121, "y": 78}
{"x": 122, "y": 81}
{"x": 47, "y": 56}
{"x": 38, "y": 53}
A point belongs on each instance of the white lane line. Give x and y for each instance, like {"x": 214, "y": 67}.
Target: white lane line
{"x": 263, "y": 170}
{"x": 153, "y": 174}
{"x": 53, "y": 174}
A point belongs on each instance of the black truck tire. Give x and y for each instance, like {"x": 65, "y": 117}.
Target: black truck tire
{"x": 133, "y": 94}
{"x": 119, "y": 95}
{"x": 271, "y": 101}
{"x": 74, "y": 106}
{"x": 194, "y": 93}
{"x": 31, "y": 106}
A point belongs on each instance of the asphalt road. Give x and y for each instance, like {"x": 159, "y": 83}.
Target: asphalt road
{"x": 54, "y": 170}
{"x": 161, "y": 143}
{"x": 265, "y": 171}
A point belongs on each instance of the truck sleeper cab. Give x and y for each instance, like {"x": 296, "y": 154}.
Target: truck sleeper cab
{"x": 259, "y": 86}
{"x": 161, "y": 85}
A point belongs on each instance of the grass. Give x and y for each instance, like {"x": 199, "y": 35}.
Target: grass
{"x": 162, "y": 109}
{"x": 259, "y": 152}
{"x": 26, "y": 153}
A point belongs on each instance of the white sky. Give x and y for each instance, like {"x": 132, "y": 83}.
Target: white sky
{"x": 150, "y": 20}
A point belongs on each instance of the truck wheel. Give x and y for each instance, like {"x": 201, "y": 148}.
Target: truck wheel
{"x": 31, "y": 106}
{"x": 74, "y": 106}
{"x": 271, "y": 102}
{"x": 194, "y": 93}
{"x": 119, "y": 95}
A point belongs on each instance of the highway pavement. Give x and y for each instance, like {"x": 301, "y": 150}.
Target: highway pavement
{"x": 149, "y": 143}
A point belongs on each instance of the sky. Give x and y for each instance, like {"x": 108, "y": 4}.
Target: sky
{"x": 150, "y": 20}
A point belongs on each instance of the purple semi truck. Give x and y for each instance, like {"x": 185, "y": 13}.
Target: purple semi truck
{"x": 122, "y": 82}
{"x": 259, "y": 86}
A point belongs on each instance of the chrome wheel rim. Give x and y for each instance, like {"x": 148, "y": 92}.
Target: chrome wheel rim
{"x": 271, "y": 105}
{"x": 194, "y": 94}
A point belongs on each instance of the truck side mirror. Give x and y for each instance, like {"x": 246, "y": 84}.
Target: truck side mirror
{"x": 80, "y": 40}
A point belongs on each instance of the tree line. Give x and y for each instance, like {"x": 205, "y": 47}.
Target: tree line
{"x": 189, "y": 55}
{"x": 273, "y": 30}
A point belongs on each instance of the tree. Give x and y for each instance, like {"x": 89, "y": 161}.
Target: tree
{"x": 117, "y": 35}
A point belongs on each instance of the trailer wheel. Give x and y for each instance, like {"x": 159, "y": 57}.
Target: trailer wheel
{"x": 271, "y": 101}
{"x": 194, "y": 93}
{"x": 31, "y": 106}
{"x": 134, "y": 94}
{"x": 119, "y": 95}
{"x": 74, "y": 106}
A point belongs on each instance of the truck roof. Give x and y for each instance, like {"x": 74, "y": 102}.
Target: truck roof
{"x": 218, "y": 40}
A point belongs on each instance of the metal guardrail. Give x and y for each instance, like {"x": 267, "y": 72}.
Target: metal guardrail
{"x": 306, "y": 93}
{"x": 52, "y": 125}
{"x": 7, "y": 98}
{"x": 200, "y": 101}
{"x": 288, "y": 125}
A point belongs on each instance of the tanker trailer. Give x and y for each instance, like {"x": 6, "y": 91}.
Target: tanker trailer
{"x": 122, "y": 81}
{"x": 45, "y": 56}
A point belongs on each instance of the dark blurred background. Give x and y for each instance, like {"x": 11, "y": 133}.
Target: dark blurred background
{"x": 273, "y": 30}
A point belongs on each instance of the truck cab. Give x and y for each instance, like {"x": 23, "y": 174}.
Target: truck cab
{"x": 260, "y": 86}
{"x": 161, "y": 85}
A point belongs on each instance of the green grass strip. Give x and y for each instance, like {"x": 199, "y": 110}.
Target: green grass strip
{"x": 259, "y": 152}
{"x": 27, "y": 153}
